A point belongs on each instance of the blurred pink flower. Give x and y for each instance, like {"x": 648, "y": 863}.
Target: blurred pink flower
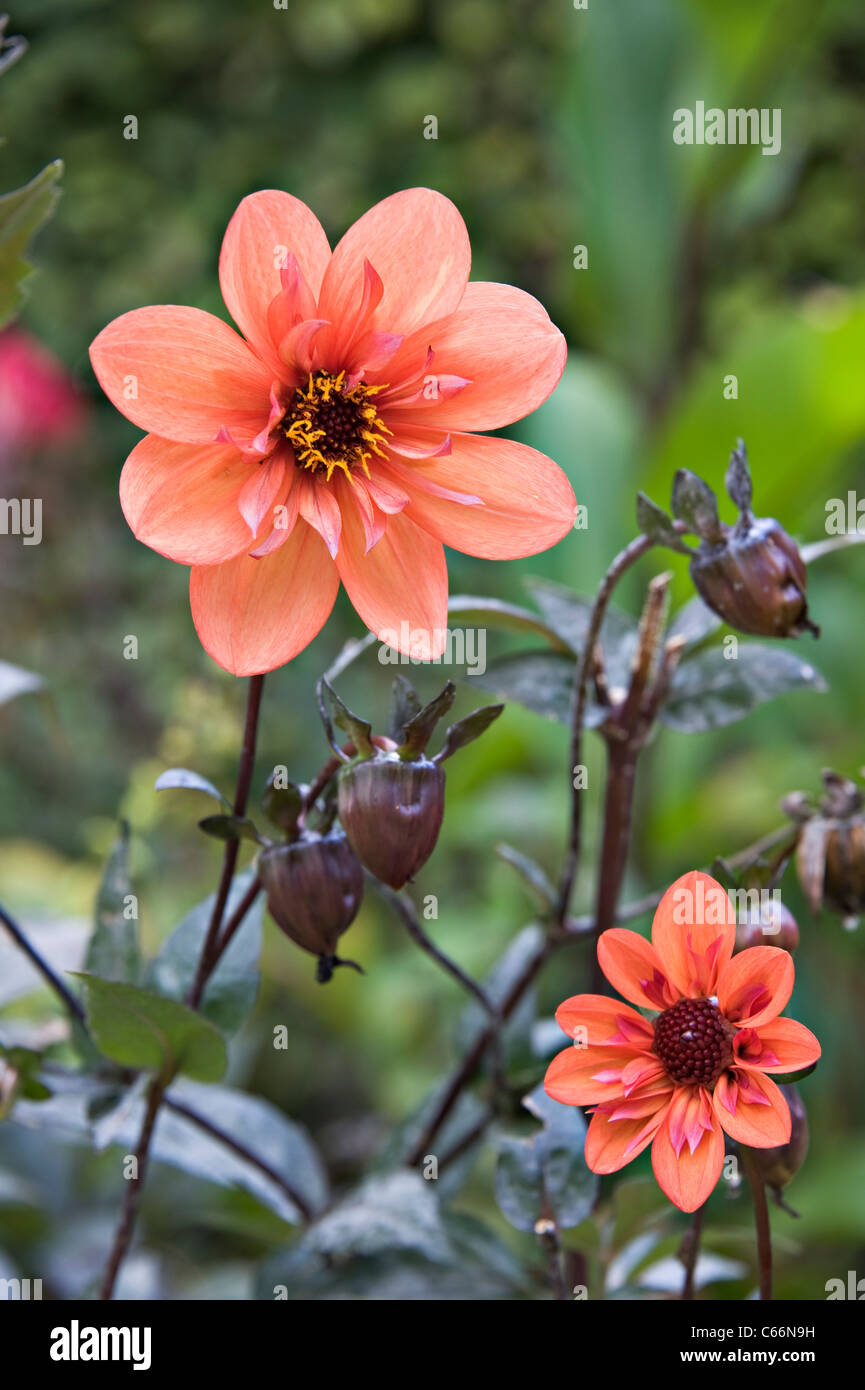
{"x": 39, "y": 404}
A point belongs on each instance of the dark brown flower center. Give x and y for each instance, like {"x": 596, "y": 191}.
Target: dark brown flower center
{"x": 693, "y": 1042}
{"x": 331, "y": 426}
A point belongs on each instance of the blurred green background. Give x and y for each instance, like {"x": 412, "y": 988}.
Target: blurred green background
{"x": 554, "y": 131}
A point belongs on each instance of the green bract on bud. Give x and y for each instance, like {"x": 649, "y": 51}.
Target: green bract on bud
{"x": 314, "y": 888}
{"x": 392, "y": 812}
{"x": 751, "y": 574}
{"x": 772, "y": 924}
{"x": 391, "y": 796}
{"x": 777, "y": 1166}
{"x": 830, "y": 852}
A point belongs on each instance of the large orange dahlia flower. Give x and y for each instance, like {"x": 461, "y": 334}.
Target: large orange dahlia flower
{"x": 699, "y": 1067}
{"x": 334, "y": 440}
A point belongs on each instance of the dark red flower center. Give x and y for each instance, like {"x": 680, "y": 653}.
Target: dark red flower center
{"x": 694, "y": 1042}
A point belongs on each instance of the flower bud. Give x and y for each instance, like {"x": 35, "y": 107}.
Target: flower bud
{"x": 777, "y": 1166}
{"x": 314, "y": 888}
{"x": 772, "y": 924}
{"x": 754, "y": 578}
{"x": 830, "y": 853}
{"x": 391, "y": 810}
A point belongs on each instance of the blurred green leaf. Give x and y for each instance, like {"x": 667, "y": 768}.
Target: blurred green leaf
{"x": 113, "y": 951}
{"x": 140, "y": 1029}
{"x": 229, "y": 828}
{"x": 231, "y": 991}
{"x": 279, "y": 1142}
{"x": 546, "y": 1176}
{"x": 183, "y": 778}
{"x": 394, "y": 1211}
{"x": 22, "y": 213}
{"x": 710, "y": 690}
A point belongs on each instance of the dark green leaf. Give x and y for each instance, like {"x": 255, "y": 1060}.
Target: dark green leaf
{"x": 143, "y": 1030}
{"x": 358, "y": 730}
{"x": 491, "y": 612}
{"x": 710, "y": 690}
{"x": 570, "y": 614}
{"x": 404, "y": 705}
{"x": 183, "y": 778}
{"x": 694, "y": 621}
{"x": 392, "y": 1212}
{"x": 738, "y": 478}
{"x": 695, "y": 503}
{"x": 654, "y": 522}
{"x": 231, "y": 990}
{"x": 256, "y": 1124}
{"x": 546, "y": 1177}
{"x": 542, "y": 681}
{"x": 467, "y": 730}
{"x": 113, "y": 951}
{"x": 418, "y": 731}
{"x": 22, "y": 213}
{"x": 229, "y": 828}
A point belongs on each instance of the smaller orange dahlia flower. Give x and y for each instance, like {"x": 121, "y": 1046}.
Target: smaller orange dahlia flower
{"x": 699, "y": 1067}
{"x": 336, "y": 440}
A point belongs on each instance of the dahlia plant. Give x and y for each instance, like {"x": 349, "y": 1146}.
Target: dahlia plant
{"x": 338, "y": 435}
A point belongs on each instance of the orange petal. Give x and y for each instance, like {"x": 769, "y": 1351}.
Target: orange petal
{"x": 528, "y": 503}
{"x": 755, "y": 985}
{"x": 791, "y": 1044}
{"x": 417, "y": 242}
{"x": 182, "y": 374}
{"x": 610, "y": 1144}
{"x": 254, "y": 615}
{"x": 267, "y": 229}
{"x": 751, "y": 1108}
{"x": 633, "y": 967}
{"x": 694, "y": 931}
{"x": 181, "y": 499}
{"x": 595, "y": 1018}
{"x": 687, "y": 1177}
{"x": 573, "y": 1076}
{"x": 400, "y": 587}
{"x": 502, "y": 340}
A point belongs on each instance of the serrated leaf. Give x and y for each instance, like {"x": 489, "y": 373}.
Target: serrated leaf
{"x": 546, "y": 1176}
{"x": 231, "y": 991}
{"x": 113, "y": 951}
{"x": 419, "y": 729}
{"x": 695, "y": 503}
{"x": 22, "y": 213}
{"x": 710, "y": 690}
{"x": 467, "y": 730}
{"x": 186, "y": 780}
{"x": 229, "y": 828}
{"x": 143, "y": 1030}
{"x": 14, "y": 681}
{"x": 654, "y": 522}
